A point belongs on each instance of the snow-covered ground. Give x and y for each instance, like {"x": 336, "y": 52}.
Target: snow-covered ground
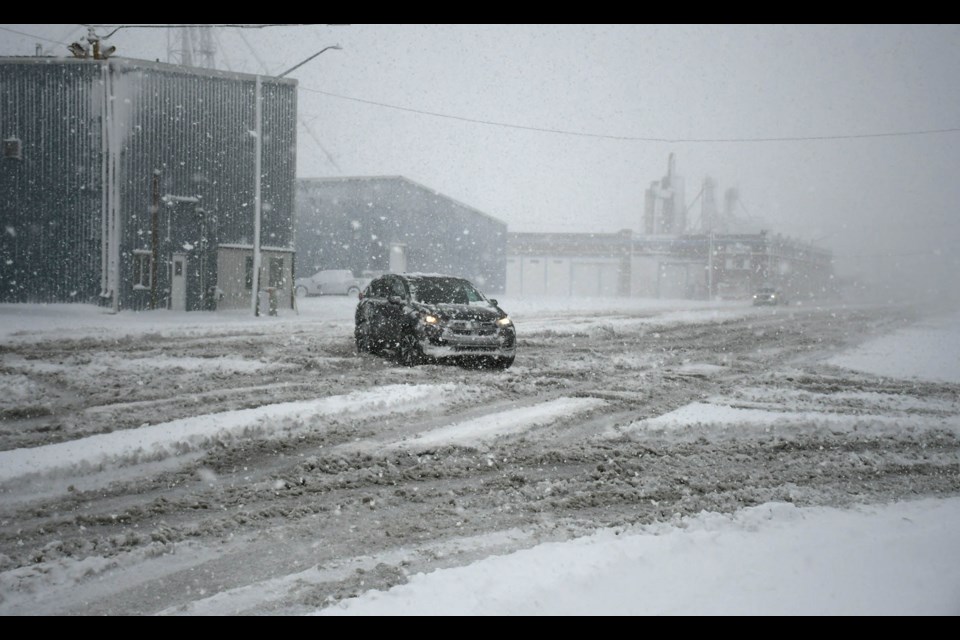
{"x": 772, "y": 559}
{"x": 775, "y": 559}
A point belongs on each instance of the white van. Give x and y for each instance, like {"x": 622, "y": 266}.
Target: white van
{"x": 327, "y": 282}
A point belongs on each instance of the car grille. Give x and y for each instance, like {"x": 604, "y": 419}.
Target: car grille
{"x": 471, "y": 328}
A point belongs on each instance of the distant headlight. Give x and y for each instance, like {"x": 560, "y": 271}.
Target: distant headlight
{"x": 430, "y": 318}
{"x": 505, "y": 321}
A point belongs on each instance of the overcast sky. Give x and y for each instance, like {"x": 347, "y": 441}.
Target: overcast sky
{"x": 563, "y": 127}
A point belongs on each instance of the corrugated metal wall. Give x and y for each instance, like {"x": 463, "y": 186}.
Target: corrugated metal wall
{"x": 193, "y": 127}
{"x": 50, "y": 197}
{"x": 351, "y": 223}
{"x": 196, "y": 130}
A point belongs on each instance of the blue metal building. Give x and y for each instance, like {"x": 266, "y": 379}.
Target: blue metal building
{"x": 132, "y": 183}
{"x": 391, "y": 223}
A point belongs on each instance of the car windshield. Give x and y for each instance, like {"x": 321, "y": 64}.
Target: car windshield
{"x": 445, "y": 291}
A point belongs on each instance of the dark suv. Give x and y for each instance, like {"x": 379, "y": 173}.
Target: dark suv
{"x": 430, "y": 317}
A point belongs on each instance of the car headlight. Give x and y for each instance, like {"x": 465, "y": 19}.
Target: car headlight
{"x": 505, "y": 321}
{"x": 429, "y": 318}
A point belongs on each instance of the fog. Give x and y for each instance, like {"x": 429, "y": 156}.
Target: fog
{"x": 841, "y": 135}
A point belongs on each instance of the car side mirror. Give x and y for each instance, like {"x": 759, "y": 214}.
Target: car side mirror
{"x": 492, "y": 301}
{"x": 395, "y": 300}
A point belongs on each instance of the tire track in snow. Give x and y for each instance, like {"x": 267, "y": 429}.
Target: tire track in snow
{"x": 186, "y": 435}
{"x": 491, "y": 426}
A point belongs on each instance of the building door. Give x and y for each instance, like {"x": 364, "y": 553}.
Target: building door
{"x": 178, "y": 282}
{"x": 398, "y": 258}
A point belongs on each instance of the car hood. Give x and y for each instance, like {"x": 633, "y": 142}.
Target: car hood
{"x": 463, "y": 311}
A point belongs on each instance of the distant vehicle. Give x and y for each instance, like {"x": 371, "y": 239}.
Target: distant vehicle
{"x": 330, "y": 282}
{"x": 431, "y": 317}
{"x": 768, "y": 296}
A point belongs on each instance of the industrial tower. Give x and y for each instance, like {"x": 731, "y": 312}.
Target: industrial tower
{"x": 191, "y": 47}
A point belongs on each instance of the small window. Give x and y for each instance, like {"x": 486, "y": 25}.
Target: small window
{"x": 12, "y": 148}
{"x": 378, "y": 288}
{"x": 276, "y": 273}
{"x": 142, "y": 271}
{"x": 397, "y": 288}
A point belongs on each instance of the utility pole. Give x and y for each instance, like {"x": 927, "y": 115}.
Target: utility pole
{"x": 154, "y": 250}
{"x": 95, "y": 50}
{"x": 258, "y": 153}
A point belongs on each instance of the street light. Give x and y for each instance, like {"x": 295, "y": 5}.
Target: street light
{"x": 300, "y": 64}
{"x": 255, "y": 285}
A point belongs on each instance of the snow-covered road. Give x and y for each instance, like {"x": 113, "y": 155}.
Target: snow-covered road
{"x": 217, "y": 463}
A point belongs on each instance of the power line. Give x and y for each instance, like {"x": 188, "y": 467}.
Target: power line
{"x": 177, "y": 26}
{"x": 30, "y": 35}
{"x": 170, "y": 26}
{"x": 220, "y": 47}
{"x": 303, "y": 121}
{"x": 66, "y": 37}
{"x": 509, "y": 125}
{"x": 631, "y": 138}
{"x": 256, "y": 56}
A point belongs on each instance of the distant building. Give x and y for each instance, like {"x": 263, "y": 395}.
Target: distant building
{"x": 391, "y": 223}
{"x": 720, "y": 257}
{"x": 625, "y": 264}
{"x": 132, "y": 183}
{"x": 742, "y": 262}
{"x": 568, "y": 264}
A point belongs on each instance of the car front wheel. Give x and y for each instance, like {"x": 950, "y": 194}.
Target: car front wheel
{"x": 362, "y": 338}
{"x": 409, "y": 353}
{"x": 300, "y": 291}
